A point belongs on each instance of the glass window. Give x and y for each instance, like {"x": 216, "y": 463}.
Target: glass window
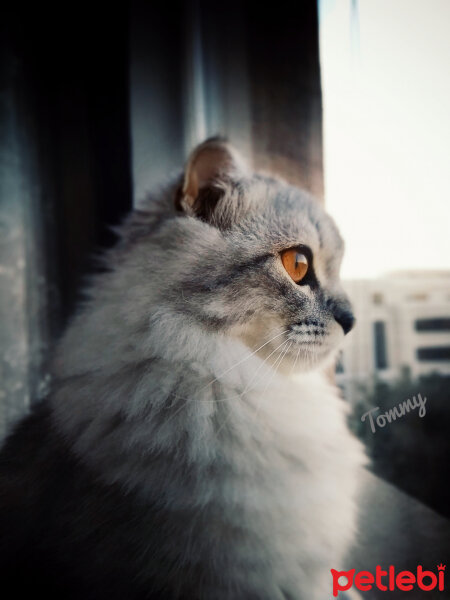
{"x": 379, "y": 331}
{"x": 437, "y": 324}
{"x": 439, "y": 353}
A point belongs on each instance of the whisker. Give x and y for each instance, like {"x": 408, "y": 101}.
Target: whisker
{"x": 295, "y": 362}
{"x": 260, "y": 367}
{"x": 276, "y": 365}
{"x": 273, "y": 366}
{"x": 244, "y": 359}
{"x": 246, "y": 389}
{"x": 192, "y": 399}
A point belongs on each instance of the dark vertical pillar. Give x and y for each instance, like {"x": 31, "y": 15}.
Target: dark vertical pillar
{"x": 157, "y": 94}
{"x": 64, "y": 173}
{"x": 263, "y": 86}
{"x": 286, "y": 98}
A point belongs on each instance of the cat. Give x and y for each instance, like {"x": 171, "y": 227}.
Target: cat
{"x": 192, "y": 445}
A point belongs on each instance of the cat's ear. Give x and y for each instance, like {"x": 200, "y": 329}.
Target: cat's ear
{"x": 209, "y": 166}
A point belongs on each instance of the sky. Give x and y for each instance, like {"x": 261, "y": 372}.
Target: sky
{"x": 386, "y": 93}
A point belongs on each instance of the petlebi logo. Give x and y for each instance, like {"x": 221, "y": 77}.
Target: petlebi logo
{"x": 404, "y": 581}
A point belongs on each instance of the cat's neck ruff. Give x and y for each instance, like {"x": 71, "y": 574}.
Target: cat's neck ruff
{"x": 225, "y": 436}
{"x": 206, "y": 405}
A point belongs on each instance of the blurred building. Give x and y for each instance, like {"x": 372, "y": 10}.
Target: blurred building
{"x": 403, "y": 320}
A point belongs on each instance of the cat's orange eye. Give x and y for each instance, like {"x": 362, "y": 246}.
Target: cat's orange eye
{"x": 295, "y": 263}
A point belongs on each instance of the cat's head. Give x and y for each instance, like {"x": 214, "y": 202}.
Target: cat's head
{"x": 248, "y": 256}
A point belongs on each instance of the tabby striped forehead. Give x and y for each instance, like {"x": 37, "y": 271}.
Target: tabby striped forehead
{"x": 278, "y": 216}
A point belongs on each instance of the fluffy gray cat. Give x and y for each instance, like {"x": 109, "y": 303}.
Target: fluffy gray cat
{"x": 191, "y": 446}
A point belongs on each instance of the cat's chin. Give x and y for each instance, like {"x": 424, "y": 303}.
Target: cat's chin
{"x": 291, "y": 351}
{"x": 300, "y": 357}
{"x": 306, "y": 357}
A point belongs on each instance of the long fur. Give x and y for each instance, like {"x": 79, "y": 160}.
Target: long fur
{"x": 191, "y": 446}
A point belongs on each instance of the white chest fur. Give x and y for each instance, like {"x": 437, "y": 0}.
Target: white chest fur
{"x": 271, "y": 459}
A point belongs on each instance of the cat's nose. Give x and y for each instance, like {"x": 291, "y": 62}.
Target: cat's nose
{"x": 345, "y": 319}
{"x": 342, "y": 313}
